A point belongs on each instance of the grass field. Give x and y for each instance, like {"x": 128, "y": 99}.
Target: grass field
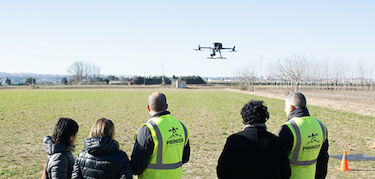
{"x": 26, "y": 116}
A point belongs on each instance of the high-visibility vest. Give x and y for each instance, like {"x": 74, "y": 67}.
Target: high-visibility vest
{"x": 309, "y": 135}
{"x": 170, "y": 137}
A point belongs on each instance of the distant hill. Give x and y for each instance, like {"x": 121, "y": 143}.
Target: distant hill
{"x": 40, "y": 78}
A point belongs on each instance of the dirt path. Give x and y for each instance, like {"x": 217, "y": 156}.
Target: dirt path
{"x": 347, "y": 101}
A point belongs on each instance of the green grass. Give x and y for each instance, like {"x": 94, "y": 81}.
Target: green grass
{"x": 26, "y": 116}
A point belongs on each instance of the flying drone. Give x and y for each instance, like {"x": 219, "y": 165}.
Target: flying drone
{"x": 217, "y": 48}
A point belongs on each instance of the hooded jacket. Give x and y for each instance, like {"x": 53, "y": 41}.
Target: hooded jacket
{"x": 59, "y": 161}
{"x": 101, "y": 158}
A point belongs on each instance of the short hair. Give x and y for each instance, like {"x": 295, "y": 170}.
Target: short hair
{"x": 64, "y": 129}
{"x": 103, "y": 128}
{"x": 298, "y": 100}
{"x": 254, "y": 112}
{"x": 157, "y": 102}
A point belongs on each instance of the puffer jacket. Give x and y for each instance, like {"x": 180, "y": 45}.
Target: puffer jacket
{"x": 101, "y": 158}
{"x": 59, "y": 161}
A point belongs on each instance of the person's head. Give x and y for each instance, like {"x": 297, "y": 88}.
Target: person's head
{"x": 157, "y": 102}
{"x": 65, "y": 132}
{"x": 103, "y": 128}
{"x": 294, "y": 101}
{"x": 254, "y": 112}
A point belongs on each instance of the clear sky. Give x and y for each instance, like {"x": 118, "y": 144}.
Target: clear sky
{"x": 136, "y": 37}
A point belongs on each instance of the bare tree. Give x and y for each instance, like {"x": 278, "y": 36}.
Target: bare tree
{"x": 294, "y": 69}
{"x": 361, "y": 72}
{"x": 247, "y": 77}
{"x": 95, "y": 72}
{"x": 77, "y": 70}
{"x": 84, "y": 71}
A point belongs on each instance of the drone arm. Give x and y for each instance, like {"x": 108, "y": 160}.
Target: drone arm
{"x": 206, "y": 48}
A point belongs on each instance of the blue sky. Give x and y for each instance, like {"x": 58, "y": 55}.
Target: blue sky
{"x": 136, "y": 37}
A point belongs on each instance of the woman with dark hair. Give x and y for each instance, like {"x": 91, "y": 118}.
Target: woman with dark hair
{"x": 101, "y": 157}
{"x": 59, "y": 148}
{"x": 253, "y": 152}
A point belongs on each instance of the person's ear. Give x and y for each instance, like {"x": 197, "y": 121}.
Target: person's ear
{"x": 148, "y": 108}
{"x": 291, "y": 108}
{"x": 166, "y": 107}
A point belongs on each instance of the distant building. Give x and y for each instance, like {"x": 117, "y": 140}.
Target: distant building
{"x": 115, "y": 82}
{"x": 180, "y": 84}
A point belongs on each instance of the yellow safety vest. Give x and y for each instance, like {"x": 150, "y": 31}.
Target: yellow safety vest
{"x": 309, "y": 135}
{"x": 170, "y": 137}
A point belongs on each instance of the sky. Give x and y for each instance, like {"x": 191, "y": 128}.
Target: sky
{"x": 141, "y": 37}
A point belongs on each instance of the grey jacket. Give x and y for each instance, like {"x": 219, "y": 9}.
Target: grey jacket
{"x": 59, "y": 161}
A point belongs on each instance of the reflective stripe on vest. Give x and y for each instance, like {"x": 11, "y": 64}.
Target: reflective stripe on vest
{"x": 159, "y": 156}
{"x": 294, "y": 160}
{"x": 185, "y": 131}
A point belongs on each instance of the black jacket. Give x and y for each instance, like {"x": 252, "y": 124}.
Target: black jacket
{"x": 144, "y": 147}
{"x": 287, "y": 139}
{"x": 59, "y": 161}
{"x": 101, "y": 158}
{"x": 253, "y": 153}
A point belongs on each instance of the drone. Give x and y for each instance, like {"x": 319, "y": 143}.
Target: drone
{"x": 217, "y": 48}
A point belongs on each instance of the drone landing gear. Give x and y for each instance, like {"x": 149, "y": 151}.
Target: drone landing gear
{"x": 216, "y": 58}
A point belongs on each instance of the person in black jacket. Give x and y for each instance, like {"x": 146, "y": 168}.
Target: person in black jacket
{"x": 253, "y": 152}
{"x": 101, "y": 157}
{"x": 59, "y": 147}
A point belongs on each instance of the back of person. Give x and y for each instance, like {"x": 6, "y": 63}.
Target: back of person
{"x": 162, "y": 144}
{"x": 256, "y": 153}
{"x": 311, "y": 134}
{"x": 59, "y": 147}
{"x": 170, "y": 151}
{"x": 59, "y": 161}
{"x": 253, "y": 152}
{"x": 101, "y": 157}
{"x": 305, "y": 139}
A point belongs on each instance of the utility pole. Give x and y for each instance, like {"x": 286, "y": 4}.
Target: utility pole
{"x": 162, "y": 78}
{"x": 260, "y": 67}
{"x": 144, "y": 79}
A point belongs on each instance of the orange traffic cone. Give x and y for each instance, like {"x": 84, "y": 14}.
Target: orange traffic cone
{"x": 344, "y": 163}
{"x": 373, "y": 145}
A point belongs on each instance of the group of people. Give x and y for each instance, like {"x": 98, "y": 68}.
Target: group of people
{"x": 162, "y": 146}
{"x": 300, "y": 151}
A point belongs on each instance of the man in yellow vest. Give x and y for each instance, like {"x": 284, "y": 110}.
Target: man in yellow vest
{"x": 161, "y": 145}
{"x": 306, "y": 140}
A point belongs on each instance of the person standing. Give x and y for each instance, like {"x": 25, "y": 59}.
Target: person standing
{"x": 305, "y": 138}
{"x": 162, "y": 144}
{"x": 253, "y": 152}
{"x": 101, "y": 157}
{"x": 59, "y": 147}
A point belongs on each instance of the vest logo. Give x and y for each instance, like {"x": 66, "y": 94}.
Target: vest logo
{"x": 313, "y": 139}
{"x": 175, "y": 137}
{"x": 315, "y": 143}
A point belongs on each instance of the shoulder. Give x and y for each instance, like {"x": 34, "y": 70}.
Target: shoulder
{"x": 121, "y": 155}
{"x": 284, "y": 129}
{"x": 58, "y": 159}
{"x": 143, "y": 133}
{"x": 236, "y": 136}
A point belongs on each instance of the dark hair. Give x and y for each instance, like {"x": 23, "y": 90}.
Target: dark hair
{"x": 254, "y": 112}
{"x": 103, "y": 128}
{"x": 64, "y": 129}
